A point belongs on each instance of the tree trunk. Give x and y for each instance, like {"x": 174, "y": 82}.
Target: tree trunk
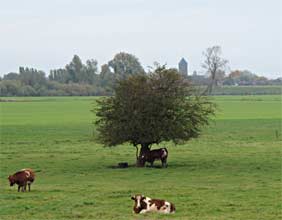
{"x": 144, "y": 148}
{"x": 208, "y": 90}
{"x": 136, "y": 153}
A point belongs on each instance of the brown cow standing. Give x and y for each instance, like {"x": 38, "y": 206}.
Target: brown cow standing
{"x": 22, "y": 178}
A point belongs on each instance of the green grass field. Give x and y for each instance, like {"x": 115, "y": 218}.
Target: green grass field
{"x": 233, "y": 171}
{"x": 248, "y": 90}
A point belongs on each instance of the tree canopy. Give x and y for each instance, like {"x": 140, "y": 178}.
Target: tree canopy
{"x": 124, "y": 65}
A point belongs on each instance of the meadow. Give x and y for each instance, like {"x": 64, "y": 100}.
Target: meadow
{"x": 248, "y": 90}
{"x": 232, "y": 171}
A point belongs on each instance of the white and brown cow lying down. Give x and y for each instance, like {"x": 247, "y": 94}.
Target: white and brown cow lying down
{"x": 157, "y": 154}
{"x": 145, "y": 204}
{"x": 22, "y": 178}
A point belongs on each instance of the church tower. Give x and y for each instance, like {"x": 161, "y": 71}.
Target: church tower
{"x": 183, "y": 67}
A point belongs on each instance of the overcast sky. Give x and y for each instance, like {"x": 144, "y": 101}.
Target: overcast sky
{"x": 46, "y": 34}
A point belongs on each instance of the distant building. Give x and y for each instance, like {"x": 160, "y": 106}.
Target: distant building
{"x": 183, "y": 67}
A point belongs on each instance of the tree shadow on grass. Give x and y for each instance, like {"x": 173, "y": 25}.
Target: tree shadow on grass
{"x": 135, "y": 166}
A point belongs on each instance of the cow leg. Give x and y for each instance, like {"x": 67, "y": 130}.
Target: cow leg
{"x": 19, "y": 187}
{"x": 152, "y": 163}
{"x": 143, "y": 211}
{"x": 24, "y": 187}
{"x": 29, "y": 187}
{"x": 164, "y": 164}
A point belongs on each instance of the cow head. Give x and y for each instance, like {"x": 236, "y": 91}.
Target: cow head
{"x": 141, "y": 160}
{"x": 11, "y": 180}
{"x": 139, "y": 203}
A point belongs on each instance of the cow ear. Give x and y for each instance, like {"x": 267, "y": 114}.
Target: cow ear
{"x": 133, "y": 197}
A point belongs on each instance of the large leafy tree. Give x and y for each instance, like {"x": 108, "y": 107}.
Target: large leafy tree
{"x": 74, "y": 69}
{"x": 124, "y": 65}
{"x": 150, "y": 109}
{"x": 31, "y": 76}
{"x": 89, "y": 73}
{"x": 77, "y": 72}
{"x": 107, "y": 78}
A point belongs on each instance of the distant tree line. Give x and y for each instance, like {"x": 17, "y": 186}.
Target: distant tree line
{"x": 85, "y": 79}
{"x": 235, "y": 78}
{"x": 75, "y": 79}
{"x": 215, "y": 65}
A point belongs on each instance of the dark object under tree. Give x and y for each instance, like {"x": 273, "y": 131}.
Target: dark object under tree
{"x": 150, "y": 109}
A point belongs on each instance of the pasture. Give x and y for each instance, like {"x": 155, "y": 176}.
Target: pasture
{"x": 233, "y": 171}
{"x": 248, "y": 90}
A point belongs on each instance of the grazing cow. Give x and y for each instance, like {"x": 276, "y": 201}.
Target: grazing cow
{"x": 152, "y": 155}
{"x": 22, "y": 178}
{"x": 145, "y": 204}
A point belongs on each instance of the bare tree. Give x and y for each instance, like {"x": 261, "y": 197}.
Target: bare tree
{"x": 214, "y": 64}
